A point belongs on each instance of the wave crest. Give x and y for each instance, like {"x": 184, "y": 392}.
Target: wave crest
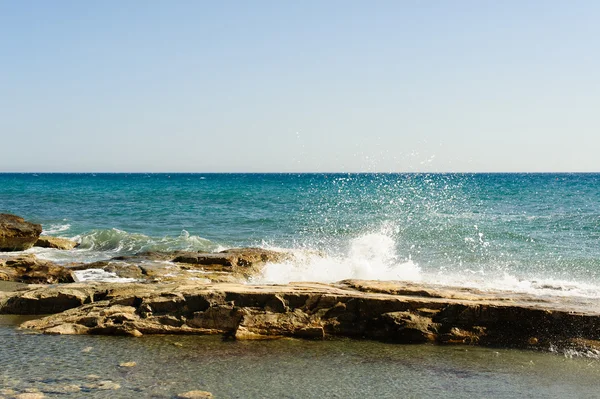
{"x": 115, "y": 240}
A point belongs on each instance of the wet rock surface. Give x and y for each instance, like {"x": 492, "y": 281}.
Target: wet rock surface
{"x": 55, "y": 242}
{"x": 353, "y": 308}
{"x": 16, "y": 234}
{"x": 233, "y": 265}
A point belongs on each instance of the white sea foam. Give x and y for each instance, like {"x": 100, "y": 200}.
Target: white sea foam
{"x": 484, "y": 281}
{"x": 56, "y": 228}
{"x": 371, "y": 256}
{"x": 100, "y": 275}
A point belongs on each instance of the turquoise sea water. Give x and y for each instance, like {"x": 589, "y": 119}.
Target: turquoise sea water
{"x": 532, "y": 232}
{"x": 537, "y": 233}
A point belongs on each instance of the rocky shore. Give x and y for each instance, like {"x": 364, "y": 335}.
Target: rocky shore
{"x": 392, "y": 311}
{"x": 207, "y": 293}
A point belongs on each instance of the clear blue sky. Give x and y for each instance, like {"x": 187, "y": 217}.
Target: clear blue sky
{"x": 280, "y": 86}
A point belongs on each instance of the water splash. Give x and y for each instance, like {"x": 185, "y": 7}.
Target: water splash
{"x": 371, "y": 256}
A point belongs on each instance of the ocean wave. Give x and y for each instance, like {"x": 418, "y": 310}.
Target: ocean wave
{"x": 119, "y": 241}
{"x": 373, "y": 256}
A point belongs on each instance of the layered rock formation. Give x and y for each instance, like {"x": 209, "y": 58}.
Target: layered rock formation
{"x": 232, "y": 265}
{"x": 392, "y": 311}
{"x": 31, "y": 270}
{"x": 16, "y": 234}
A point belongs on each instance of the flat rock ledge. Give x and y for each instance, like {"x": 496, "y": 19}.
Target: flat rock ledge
{"x": 390, "y": 311}
{"x": 232, "y": 265}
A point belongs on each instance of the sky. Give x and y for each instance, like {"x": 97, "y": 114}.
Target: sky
{"x": 299, "y": 86}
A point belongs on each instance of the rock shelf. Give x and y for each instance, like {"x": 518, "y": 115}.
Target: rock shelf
{"x": 391, "y": 311}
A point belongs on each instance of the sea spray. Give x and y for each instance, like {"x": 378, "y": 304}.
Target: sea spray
{"x": 371, "y": 256}
{"x": 523, "y": 232}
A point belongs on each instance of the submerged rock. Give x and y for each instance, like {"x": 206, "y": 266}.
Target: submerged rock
{"x": 55, "y": 242}
{"x": 30, "y": 395}
{"x": 16, "y": 234}
{"x": 195, "y": 395}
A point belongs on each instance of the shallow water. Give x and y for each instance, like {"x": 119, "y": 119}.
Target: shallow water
{"x": 168, "y": 365}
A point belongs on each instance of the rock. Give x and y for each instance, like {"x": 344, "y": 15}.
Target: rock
{"x": 67, "y": 329}
{"x": 195, "y": 395}
{"x": 55, "y": 242}
{"x": 16, "y": 234}
{"x": 30, "y": 395}
{"x": 28, "y": 269}
{"x": 106, "y": 385}
{"x": 47, "y": 300}
{"x": 62, "y": 389}
{"x": 410, "y": 328}
{"x": 310, "y": 310}
{"x": 230, "y": 266}
{"x": 243, "y": 262}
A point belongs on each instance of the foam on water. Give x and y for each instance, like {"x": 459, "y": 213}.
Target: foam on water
{"x": 100, "y": 275}
{"x": 373, "y": 256}
{"x": 56, "y": 228}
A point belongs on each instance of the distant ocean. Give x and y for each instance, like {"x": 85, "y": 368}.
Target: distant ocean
{"x": 535, "y": 233}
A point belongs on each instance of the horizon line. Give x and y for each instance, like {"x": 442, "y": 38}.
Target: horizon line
{"x": 301, "y": 173}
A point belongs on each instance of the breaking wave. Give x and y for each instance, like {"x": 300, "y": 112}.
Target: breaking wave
{"x": 371, "y": 256}
{"x": 115, "y": 240}
{"x": 374, "y": 256}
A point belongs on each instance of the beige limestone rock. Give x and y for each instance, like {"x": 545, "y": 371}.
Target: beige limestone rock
{"x": 31, "y": 270}
{"x": 30, "y": 395}
{"x": 195, "y": 395}
{"x": 55, "y": 242}
{"x": 391, "y": 311}
{"x": 16, "y": 234}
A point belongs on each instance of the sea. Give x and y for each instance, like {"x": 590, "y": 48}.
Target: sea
{"x": 526, "y": 233}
